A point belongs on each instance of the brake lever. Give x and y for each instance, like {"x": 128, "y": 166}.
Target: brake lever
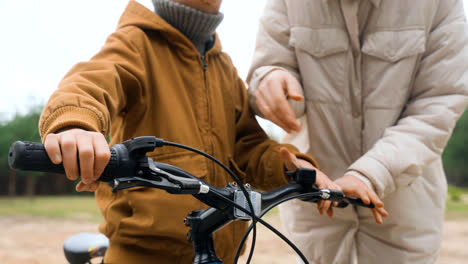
{"x": 188, "y": 185}
{"x": 154, "y": 177}
{"x": 130, "y": 182}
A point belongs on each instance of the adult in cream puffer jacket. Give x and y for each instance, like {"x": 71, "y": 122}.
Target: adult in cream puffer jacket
{"x": 384, "y": 83}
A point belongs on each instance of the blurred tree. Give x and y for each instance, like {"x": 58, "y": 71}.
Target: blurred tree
{"x": 21, "y": 127}
{"x": 455, "y": 156}
{"x": 24, "y": 127}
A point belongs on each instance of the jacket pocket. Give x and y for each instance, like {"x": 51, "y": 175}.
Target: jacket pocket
{"x": 322, "y": 56}
{"x": 390, "y": 62}
{"x": 319, "y": 42}
{"x": 150, "y": 214}
{"x": 393, "y": 46}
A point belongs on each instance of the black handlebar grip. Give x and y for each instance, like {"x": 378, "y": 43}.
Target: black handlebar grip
{"x": 120, "y": 164}
{"x": 31, "y": 156}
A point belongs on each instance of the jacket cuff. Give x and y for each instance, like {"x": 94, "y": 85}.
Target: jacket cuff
{"x": 71, "y": 116}
{"x": 257, "y": 78}
{"x": 377, "y": 174}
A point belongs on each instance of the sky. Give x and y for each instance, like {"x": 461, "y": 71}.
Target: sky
{"x": 41, "y": 40}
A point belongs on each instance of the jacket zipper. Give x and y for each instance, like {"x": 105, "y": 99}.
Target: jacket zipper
{"x": 205, "y": 66}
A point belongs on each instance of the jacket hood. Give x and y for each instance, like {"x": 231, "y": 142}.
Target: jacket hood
{"x": 137, "y": 15}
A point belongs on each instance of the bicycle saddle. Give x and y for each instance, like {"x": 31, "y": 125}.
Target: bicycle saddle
{"x": 82, "y": 247}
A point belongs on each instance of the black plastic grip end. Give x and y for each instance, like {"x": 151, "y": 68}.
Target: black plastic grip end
{"x": 31, "y": 156}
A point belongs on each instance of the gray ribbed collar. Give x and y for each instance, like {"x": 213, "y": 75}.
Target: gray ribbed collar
{"x": 196, "y": 25}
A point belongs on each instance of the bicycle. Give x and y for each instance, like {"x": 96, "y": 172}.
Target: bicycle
{"x": 129, "y": 167}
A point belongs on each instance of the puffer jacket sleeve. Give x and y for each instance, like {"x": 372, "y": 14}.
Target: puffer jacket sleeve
{"x": 272, "y": 51}
{"x": 94, "y": 92}
{"x": 438, "y": 98}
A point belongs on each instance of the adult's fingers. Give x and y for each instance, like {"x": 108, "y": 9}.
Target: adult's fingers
{"x": 272, "y": 94}
{"x": 280, "y": 106}
{"x": 67, "y": 142}
{"x": 102, "y": 154}
{"x": 52, "y": 147}
{"x": 293, "y": 88}
{"x": 268, "y": 113}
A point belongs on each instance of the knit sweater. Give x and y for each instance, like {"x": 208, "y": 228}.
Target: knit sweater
{"x": 196, "y": 25}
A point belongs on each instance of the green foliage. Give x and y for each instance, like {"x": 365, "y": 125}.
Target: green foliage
{"x": 455, "y": 156}
{"x": 22, "y": 127}
{"x": 457, "y": 203}
{"x": 454, "y": 194}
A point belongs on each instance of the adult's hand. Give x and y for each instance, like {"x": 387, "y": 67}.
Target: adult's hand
{"x": 272, "y": 99}
{"x": 322, "y": 181}
{"x": 83, "y": 153}
{"x": 352, "y": 186}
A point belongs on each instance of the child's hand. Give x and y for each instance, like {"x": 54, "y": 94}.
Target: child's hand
{"x": 83, "y": 153}
{"x": 322, "y": 181}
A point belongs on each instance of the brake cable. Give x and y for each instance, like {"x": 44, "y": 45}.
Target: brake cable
{"x": 258, "y": 218}
{"x": 235, "y": 178}
{"x": 266, "y": 210}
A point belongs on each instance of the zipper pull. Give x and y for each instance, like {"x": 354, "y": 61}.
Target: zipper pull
{"x": 203, "y": 62}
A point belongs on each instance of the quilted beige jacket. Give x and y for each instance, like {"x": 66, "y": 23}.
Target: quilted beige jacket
{"x": 384, "y": 81}
{"x": 383, "y": 88}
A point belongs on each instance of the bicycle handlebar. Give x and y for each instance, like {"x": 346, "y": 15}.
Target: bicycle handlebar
{"x": 129, "y": 163}
{"x": 129, "y": 167}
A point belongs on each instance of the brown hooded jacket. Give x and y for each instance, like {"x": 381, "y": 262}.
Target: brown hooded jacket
{"x": 149, "y": 80}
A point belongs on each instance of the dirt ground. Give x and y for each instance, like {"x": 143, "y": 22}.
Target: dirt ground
{"x": 33, "y": 240}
